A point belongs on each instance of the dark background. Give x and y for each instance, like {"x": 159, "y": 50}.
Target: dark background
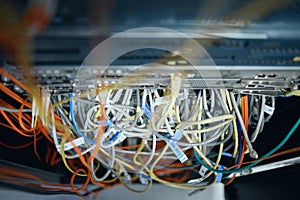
{"x": 80, "y": 25}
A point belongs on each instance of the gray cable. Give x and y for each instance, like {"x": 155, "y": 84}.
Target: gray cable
{"x": 260, "y": 120}
{"x": 205, "y": 142}
{"x": 253, "y": 153}
{"x": 197, "y": 103}
{"x": 13, "y": 110}
{"x": 228, "y": 136}
{"x": 205, "y": 105}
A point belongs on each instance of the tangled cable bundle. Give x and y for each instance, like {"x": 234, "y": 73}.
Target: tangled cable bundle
{"x": 121, "y": 134}
{"x": 143, "y": 134}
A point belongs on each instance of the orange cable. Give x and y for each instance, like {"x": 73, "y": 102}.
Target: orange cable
{"x": 244, "y": 102}
{"x": 292, "y": 150}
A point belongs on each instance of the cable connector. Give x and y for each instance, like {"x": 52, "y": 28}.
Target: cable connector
{"x": 127, "y": 178}
{"x": 144, "y": 179}
{"x": 253, "y": 154}
{"x": 75, "y": 143}
{"x": 102, "y": 96}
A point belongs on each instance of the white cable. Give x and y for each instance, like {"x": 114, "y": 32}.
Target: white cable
{"x": 152, "y": 153}
{"x": 212, "y": 102}
{"x": 273, "y": 107}
{"x": 175, "y": 88}
{"x": 108, "y": 172}
{"x": 57, "y": 145}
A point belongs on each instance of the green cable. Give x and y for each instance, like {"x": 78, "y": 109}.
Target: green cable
{"x": 285, "y": 139}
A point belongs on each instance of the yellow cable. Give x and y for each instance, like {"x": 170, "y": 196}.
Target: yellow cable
{"x": 138, "y": 151}
{"x": 62, "y": 149}
{"x": 177, "y": 114}
{"x": 235, "y": 131}
{"x": 294, "y": 92}
{"x": 210, "y": 120}
{"x": 171, "y": 184}
{"x": 209, "y": 129}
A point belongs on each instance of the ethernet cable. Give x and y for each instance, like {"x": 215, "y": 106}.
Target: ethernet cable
{"x": 283, "y": 141}
{"x": 253, "y": 153}
{"x": 175, "y": 88}
{"x": 260, "y": 120}
{"x": 224, "y": 124}
{"x": 272, "y": 108}
{"x": 292, "y": 93}
{"x": 14, "y": 110}
{"x": 74, "y": 121}
{"x": 207, "y": 112}
{"x": 108, "y": 172}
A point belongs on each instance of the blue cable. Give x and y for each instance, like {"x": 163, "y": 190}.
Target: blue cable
{"x": 285, "y": 139}
{"x": 112, "y": 139}
{"x": 240, "y": 141}
{"x": 74, "y": 122}
{"x": 239, "y": 151}
{"x": 290, "y": 95}
{"x": 227, "y": 154}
